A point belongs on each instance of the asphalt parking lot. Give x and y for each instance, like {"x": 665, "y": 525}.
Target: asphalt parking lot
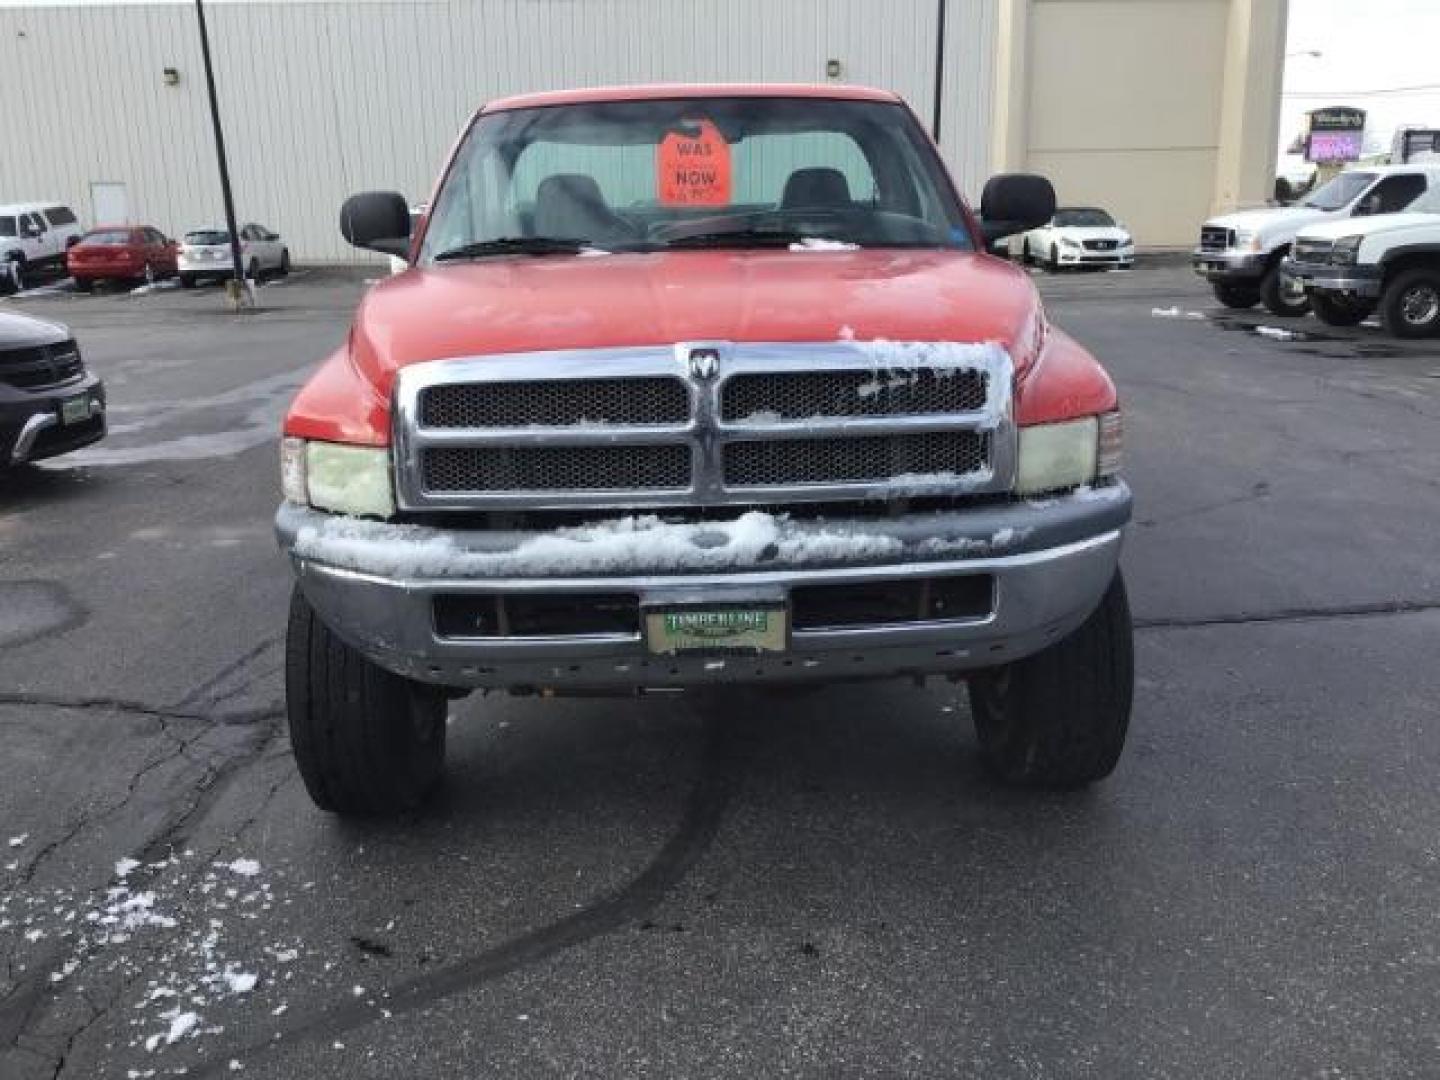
{"x": 737, "y": 886}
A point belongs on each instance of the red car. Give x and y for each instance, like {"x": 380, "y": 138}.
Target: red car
{"x": 128, "y": 253}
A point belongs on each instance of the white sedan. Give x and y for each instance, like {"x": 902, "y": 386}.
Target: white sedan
{"x": 1078, "y": 236}
{"x": 205, "y": 253}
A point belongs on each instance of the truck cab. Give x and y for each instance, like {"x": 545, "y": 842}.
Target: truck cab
{"x": 1242, "y": 254}
{"x": 689, "y": 387}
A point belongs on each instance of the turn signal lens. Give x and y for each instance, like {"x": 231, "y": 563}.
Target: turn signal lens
{"x": 1112, "y": 444}
{"x": 292, "y": 470}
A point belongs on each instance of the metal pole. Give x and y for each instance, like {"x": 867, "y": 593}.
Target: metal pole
{"x": 235, "y": 255}
{"x": 941, "y": 7}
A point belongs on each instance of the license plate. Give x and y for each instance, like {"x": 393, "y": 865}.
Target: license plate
{"x": 75, "y": 410}
{"x": 717, "y": 630}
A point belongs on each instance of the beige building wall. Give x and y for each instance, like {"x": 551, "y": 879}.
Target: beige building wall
{"x": 1162, "y": 111}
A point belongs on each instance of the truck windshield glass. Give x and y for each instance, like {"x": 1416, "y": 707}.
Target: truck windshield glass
{"x": 7, "y": 227}
{"x": 108, "y": 238}
{"x": 688, "y": 173}
{"x": 204, "y": 237}
{"x": 1084, "y": 218}
{"x": 1340, "y": 191}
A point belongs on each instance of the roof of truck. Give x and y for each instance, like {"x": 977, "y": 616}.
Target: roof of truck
{"x": 663, "y": 91}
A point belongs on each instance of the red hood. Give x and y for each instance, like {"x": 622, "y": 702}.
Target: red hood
{"x": 525, "y": 304}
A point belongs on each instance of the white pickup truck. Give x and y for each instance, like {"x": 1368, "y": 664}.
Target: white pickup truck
{"x": 1242, "y": 254}
{"x": 1389, "y": 263}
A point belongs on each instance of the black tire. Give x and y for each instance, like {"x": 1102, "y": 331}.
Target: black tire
{"x": 1340, "y": 310}
{"x": 1052, "y": 265}
{"x": 1236, "y": 295}
{"x": 187, "y": 281}
{"x": 284, "y": 270}
{"x": 1284, "y": 301}
{"x": 253, "y": 270}
{"x": 1410, "y": 307}
{"x": 83, "y": 284}
{"x": 1026, "y": 259}
{"x": 367, "y": 742}
{"x": 1058, "y": 719}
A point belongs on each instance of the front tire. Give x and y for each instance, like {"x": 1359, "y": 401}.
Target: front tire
{"x": 1238, "y": 297}
{"x": 253, "y": 270}
{"x": 1410, "y": 307}
{"x": 1058, "y": 719}
{"x": 1281, "y": 296}
{"x": 1340, "y": 311}
{"x": 83, "y": 284}
{"x": 284, "y": 270}
{"x": 367, "y": 742}
{"x": 187, "y": 281}
{"x": 1053, "y": 266}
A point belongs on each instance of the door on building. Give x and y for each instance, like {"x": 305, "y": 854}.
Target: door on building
{"x": 110, "y": 204}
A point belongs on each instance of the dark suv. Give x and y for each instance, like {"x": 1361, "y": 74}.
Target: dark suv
{"x": 49, "y": 403}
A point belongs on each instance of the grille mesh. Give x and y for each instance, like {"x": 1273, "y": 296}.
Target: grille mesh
{"x": 556, "y": 468}
{"x": 866, "y": 459}
{"x": 1216, "y": 238}
{"x": 41, "y": 365}
{"x": 556, "y": 403}
{"x": 901, "y": 392}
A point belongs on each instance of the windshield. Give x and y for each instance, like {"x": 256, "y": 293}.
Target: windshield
{"x": 107, "y": 238}
{"x": 1340, "y": 191}
{"x": 207, "y": 236}
{"x": 7, "y": 226}
{"x": 1084, "y": 218}
{"x": 721, "y": 172}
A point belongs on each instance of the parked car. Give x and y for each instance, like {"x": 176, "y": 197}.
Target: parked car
{"x": 1078, "y": 236}
{"x": 126, "y": 253}
{"x": 1241, "y": 254}
{"x": 1390, "y": 262}
{"x": 35, "y": 236}
{"x": 731, "y": 411}
{"x": 205, "y": 253}
{"x": 49, "y": 403}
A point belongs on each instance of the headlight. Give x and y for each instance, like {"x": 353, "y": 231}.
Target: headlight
{"x": 1054, "y": 457}
{"x": 1346, "y": 251}
{"x": 1065, "y": 241}
{"x": 352, "y": 480}
{"x": 1127, "y": 241}
{"x": 1247, "y": 241}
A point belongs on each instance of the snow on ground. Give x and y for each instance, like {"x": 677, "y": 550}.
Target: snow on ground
{"x": 1277, "y": 333}
{"x": 1175, "y": 313}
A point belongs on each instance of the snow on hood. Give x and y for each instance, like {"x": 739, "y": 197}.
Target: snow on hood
{"x": 1371, "y": 226}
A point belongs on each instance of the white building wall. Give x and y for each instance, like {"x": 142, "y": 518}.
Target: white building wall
{"x": 321, "y": 99}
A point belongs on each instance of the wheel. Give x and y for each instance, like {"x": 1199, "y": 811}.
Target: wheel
{"x": 1053, "y": 265}
{"x": 1026, "y": 258}
{"x": 284, "y": 262}
{"x": 1340, "y": 310}
{"x": 253, "y": 270}
{"x": 187, "y": 281}
{"x": 1238, "y": 296}
{"x": 84, "y": 284}
{"x": 1282, "y": 296}
{"x": 1058, "y": 719}
{"x": 1410, "y": 307}
{"x": 366, "y": 741}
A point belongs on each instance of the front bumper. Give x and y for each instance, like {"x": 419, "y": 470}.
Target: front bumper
{"x": 375, "y": 585}
{"x": 1085, "y": 257}
{"x": 1229, "y": 265}
{"x": 32, "y": 425}
{"x": 1362, "y": 281}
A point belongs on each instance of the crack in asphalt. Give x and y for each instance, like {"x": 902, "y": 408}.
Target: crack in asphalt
{"x": 705, "y": 808}
{"x": 1379, "y": 609}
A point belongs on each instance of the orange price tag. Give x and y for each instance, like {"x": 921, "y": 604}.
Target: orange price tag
{"x": 693, "y": 168}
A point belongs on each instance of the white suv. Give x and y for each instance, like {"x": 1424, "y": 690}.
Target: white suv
{"x": 1241, "y": 254}
{"x": 1391, "y": 263}
{"x": 34, "y": 236}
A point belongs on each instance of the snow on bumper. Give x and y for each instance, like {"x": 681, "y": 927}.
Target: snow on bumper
{"x": 1048, "y": 562}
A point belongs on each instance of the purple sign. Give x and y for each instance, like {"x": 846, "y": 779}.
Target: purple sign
{"x": 1328, "y": 146}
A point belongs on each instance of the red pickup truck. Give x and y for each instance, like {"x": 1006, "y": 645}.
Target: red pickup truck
{"x": 687, "y": 386}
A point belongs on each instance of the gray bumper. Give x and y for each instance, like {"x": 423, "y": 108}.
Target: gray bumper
{"x": 1050, "y": 562}
{"x": 1364, "y": 281}
{"x": 1229, "y": 265}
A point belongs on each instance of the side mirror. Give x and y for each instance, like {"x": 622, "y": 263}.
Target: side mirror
{"x": 1014, "y": 203}
{"x": 377, "y": 220}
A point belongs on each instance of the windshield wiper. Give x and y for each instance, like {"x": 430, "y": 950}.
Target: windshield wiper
{"x": 738, "y": 238}
{"x": 515, "y": 245}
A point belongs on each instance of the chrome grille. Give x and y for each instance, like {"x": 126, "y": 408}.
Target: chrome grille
{"x": 804, "y": 395}
{"x": 708, "y": 424}
{"x": 1101, "y": 245}
{"x": 38, "y": 366}
{"x": 895, "y": 458}
{"x": 1215, "y": 238}
{"x": 459, "y": 469}
{"x": 556, "y": 403}
{"x": 1313, "y": 251}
